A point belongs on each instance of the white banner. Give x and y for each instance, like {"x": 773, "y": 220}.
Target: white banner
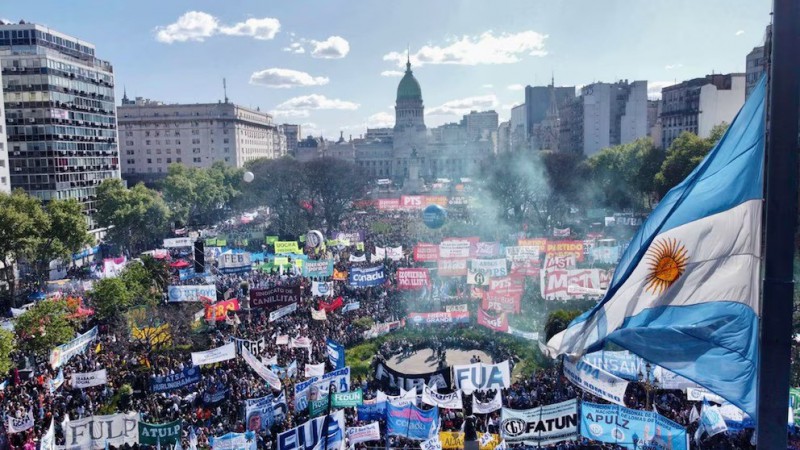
{"x": 477, "y": 278}
{"x": 541, "y": 426}
{"x": 282, "y": 339}
{"x": 233, "y": 262}
{"x": 281, "y": 312}
{"x": 522, "y": 253}
{"x": 454, "y": 308}
{"x": 481, "y": 376}
{"x": 449, "y": 401}
{"x": 18, "y": 425}
{"x": 394, "y": 253}
{"x": 310, "y": 435}
{"x": 262, "y": 371}
{"x": 63, "y": 353}
{"x": 192, "y": 293}
{"x": 354, "y": 258}
{"x": 490, "y": 406}
{"x": 352, "y": 306}
{"x": 318, "y": 315}
{"x": 88, "y": 379}
{"x": 178, "y": 242}
{"x": 699, "y": 394}
{"x": 454, "y": 249}
{"x": 300, "y": 342}
{"x": 315, "y": 370}
{"x": 95, "y": 431}
{"x": 215, "y": 355}
{"x": 431, "y": 444}
{"x": 357, "y": 435}
{"x": 490, "y": 267}
{"x": 322, "y": 289}
{"x": 595, "y": 381}
{"x": 48, "y": 441}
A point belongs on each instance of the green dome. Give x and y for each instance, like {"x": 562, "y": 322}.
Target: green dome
{"x": 409, "y": 89}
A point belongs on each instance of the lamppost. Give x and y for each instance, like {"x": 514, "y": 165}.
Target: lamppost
{"x": 649, "y": 382}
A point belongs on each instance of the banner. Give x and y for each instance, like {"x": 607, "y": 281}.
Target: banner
{"x": 507, "y": 285}
{"x": 330, "y": 306}
{"x": 259, "y": 413}
{"x": 470, "y": 377}
{"x": 700, "y": 394}
{"x": 233, "y": 441}
{"x": 318, "y": 315}
{"x": 352, "y": 306}
{"x": 230, "y": 262}
{"x": 623, "y": 364}
{"x": 215, "y": 355}
{"x": 455, "y": 249}
{"x": 96, "y": 431}
{"x": 426, "y": 252}
{"x": 595, "y": 381}
{"x": 274, "y": 297}
{"x": 393, "y": 253}
{"x": 191, "y": 293}
{"x": 164, "y": 434}
{"x": 499, "y": 323}
{"x": 261, "y": 370}
{"x": 379, "y": 329}
{"x": 454, "y": 308}
{"x": 391, "y": 378}
{"x": 178, "y": 242}
{"x": 301, "y": 342}
{"x": 452, "y": 267}
{"x": 454, "y": 440}
{"x": 388, "y": 204}
{"x": 498, "y": 301}
{"x": 438, "y": 317}
{"x": 477, "y": 278}
{"x": 556, "y": 284}
{"x": 367, "y": 276}
{"x": 178, "y": 380}
{"x": 412, "y": 202}
{"x": 318, "y": 269}
{"x": 335, "y": 353}
{"x": 489, "y": 267}
{"x": 411, "y": 422}
{"x": 219, "y": 311}
{"x": 488, "y": 249}
{"x": 413, "y": 278}
{"x": 448, "y": 401}
{"x": 340, "y": 275}
{"x": 340, "y": 379}
{"x": 561, "y": 232}
{"x": 280, "y": 408}
{"x": 48, "y": 441}
{"x": 431, "y": 444}
{"x": 322, "y": 289}
{"x": 606, "y": 255}
{"x": 284, "y": 247}
{"x": 544, "y": 425}
{"x": 618, "y": 425}
{"x": 525, "y": 268}
{"x": 374, "y": 409}
{"x": 211, "y": 398}
{"x": 88, "y": 379}
{"x": 255, "y": 347}
{"x": 347, "y": 399}
{"x": 561, "y": 262}
{"x": 354, "y": 258}
{"x": 529, "y": 335}
{"x": 522, "y": 253}
{"x": 63, "y": 353}
{"x": 533, "y": 242}
{"x": 18, "y": 425}
{"x": 489, "y": 406}
{"x": 563, "y": 248}
{"x": 311, "y": 434}
{"x": 357, "y": 435}
{"x": 301, "y": 393}
{"x": 352, "y": 237}
{"x": 285, "y": 311}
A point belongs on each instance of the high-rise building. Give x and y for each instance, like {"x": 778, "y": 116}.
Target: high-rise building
{"x": 699, "y": 104}
{"x": 654, "y": 121}
{"x": 518, "y": 128}
{"x": 613, "y": 114}
{"x": 538, "y": 101}
{"x": 756, "y": 64}
{"x": 59, "y": 110}
{"x": 5, "y": 183}
{"x": 480, "y": 125}
{"x": 571, "y": 126}
{"x": 504, "y": 137}
{"x": 154, "y": 135}
{"x": 292, "y": 133}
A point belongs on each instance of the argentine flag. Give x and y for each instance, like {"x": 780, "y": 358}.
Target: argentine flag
{"x": 685, "y": 294}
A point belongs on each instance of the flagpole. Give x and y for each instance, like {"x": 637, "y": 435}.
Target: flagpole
{"x": 780, "y": 220}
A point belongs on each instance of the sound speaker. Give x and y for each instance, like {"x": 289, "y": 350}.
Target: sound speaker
{"x": 199, "y": 256}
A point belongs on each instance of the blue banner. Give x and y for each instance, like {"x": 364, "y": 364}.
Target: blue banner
{"x": 259, "y": 413}
{"x": 318, "y": 269}
{"x": 367, "y": 276}
{"x": 280, "y": 409}
{"x": 623, "y": 364}
{"x": 411, "y": 422}
{"x": 175, "y": 381}
{"x": 371, "y": 410}
{"x": 335, "y": 354}
{"x": 622, "y": 426}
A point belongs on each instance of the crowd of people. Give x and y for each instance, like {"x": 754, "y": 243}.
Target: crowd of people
{"x": 213, "y": 406}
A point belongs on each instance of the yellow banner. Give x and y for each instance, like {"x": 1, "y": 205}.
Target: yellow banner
{"x": 455, "y": 440}
{"x": 287, "y": 247}
{"x": 339, "y": 275}
{"x": 153, "y": 335}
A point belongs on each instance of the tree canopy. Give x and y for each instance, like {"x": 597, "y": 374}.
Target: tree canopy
{"x": 683, "y": 155}
{"x": 623, "y": 176}
{"x": 139, "y": 216}
{"x": 199, "y": 197}
{"x": 44, "y": 326}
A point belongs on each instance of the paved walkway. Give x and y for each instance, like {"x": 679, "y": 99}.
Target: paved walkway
{"x": 423, "y": 360}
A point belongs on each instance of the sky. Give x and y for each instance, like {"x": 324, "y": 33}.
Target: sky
{"x": 333, "y": 65}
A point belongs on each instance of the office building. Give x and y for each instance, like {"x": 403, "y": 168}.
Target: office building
{"x": 5, "y": 182}
{"x": 756, "y": 63}
{"x": 480, "y": 125}
{"x": 539, "y": 99}
{"x": 292, "y": 133}
{"x": 154, "y": 135}
{"x": 699, "y": 104}
{"x": 613, "y": 114}
{"x": 59, "y": 114}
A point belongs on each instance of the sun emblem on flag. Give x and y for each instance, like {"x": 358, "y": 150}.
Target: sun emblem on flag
{"x": 667, "y": 260}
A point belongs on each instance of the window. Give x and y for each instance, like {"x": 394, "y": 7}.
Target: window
{"x": 195, "y": 131}
{"x": 197, "y": 160}
{"x": 147, "y": 142}
{"x": 128, "y": 142}
{"x": 178, "y": 151}
{"x": 169, "y": 151}
{"x": 169, "y": 160}
{"x": 178, "y": 160}
{"x": 225, "y": 141}
{"x": 158, "y": 151}
{"x": 149, "y": 161}
{"x": 148, "y": 151}
{"x": 158, "y": 160}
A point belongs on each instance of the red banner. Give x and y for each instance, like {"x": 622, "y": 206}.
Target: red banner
{"x": 412, "y": 202}
{"x": 440, "y": 200}
{"x": 487, "y": 249}
{"x": 502, "y": 302}
{"x": 477, "y": 292}
{"x": 533, "y": 242}
{"x": 499, "y": 323}
{"x": 566, "y": 248}
{"x": 557, "y": 284}
{"x": 220, "y": 309}
{"x": 388, "y": 204}
{"x": 426, "y": 252}
{"x": 507, "y": 285}
{"x": 438, "y": 317}
{"x": 525, "y": 268}
{"x": 413, "y": 278}
{"x": 332, "y": 306}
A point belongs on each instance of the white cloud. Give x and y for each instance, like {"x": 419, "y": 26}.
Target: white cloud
{"x": 673, "y": 66}
{"x": 305, "y": 103}
{"x": 285, "y": 78}
{"x": 335, "y": 47}
{"x": 391, "y": 73}
{"x": 464, "y": 106}
{"x": 290, "y": 113}
{"x": 198, "y": 25}
{"x": 310, "y": 129}
{"x": 295, "y": 47}
{"x": 515, "y": 87}
{"x": 654, "y": 88}
{"x": 486, "y": 48}
{"x": 380, "y": 120}
{"x": 739, "y": 32}
{"x": 488, "y": 86}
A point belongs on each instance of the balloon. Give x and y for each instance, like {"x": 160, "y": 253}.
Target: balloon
{"x": 248, "y": 177}
{"x": 314, "y": 239}
{"x": 434, "y": 216}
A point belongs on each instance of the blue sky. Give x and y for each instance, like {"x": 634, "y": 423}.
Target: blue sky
{"x": 333, "y": 65}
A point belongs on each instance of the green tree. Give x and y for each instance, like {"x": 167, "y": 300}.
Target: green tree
{"x": 334, "y": 185}
{"x": 66, "y": 232}
{"x": 43, "y": 327}
{"x": 157, "y": 272}
{"x": 558, "y": 321}
{"x": 111, "y": 297}
{"x": 7, "y": 346}
{"x": 21, "y": 222}
{"x": 281, "y": 185}
{"x": 683, "y": 155}
{"x": 201, "y": 196}
{"x": 623, "y": 175}
{"x": 139, "y": 216}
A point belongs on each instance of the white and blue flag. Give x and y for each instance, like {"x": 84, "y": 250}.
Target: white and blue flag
{"x": 685, "y": 294}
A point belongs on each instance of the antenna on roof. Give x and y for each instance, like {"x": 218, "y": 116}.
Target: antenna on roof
{"x": 225, "y": 89}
